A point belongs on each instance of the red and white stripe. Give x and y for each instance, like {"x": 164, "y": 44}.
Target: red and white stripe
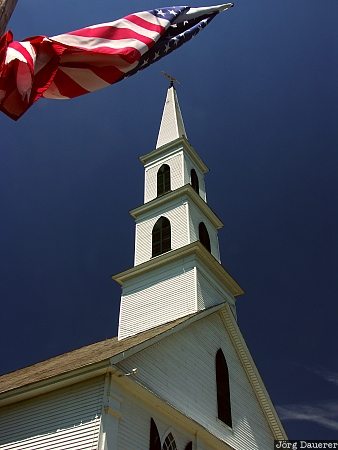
{"x": 81, "y": 61}
{"x": 87, "y": 68}
{"x": 74, "y": 63}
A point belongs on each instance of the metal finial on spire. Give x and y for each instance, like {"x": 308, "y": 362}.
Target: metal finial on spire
{"x": 171, "y": 79}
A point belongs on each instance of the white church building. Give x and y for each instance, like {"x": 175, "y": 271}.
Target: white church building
{"x": 179, "y": 375}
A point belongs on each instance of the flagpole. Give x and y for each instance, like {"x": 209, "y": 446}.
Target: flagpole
{"x": 6, "y": 9}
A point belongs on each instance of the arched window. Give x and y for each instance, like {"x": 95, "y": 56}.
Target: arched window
{"x": 223, "y": 389}
{"x": 161, "y": 237}
{"x": 194, "y": 181}
{"x": 154, "y": 440}
{"x": 163, "y": 180}
{"x": 188, "y": 446}
{"x": 169, "y": 443}
{"x": 204, "y": 236}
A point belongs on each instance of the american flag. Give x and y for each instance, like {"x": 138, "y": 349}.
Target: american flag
{"x": 83, "y": 61}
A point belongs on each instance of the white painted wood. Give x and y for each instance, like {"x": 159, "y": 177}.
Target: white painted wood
{"x": 174, "y": 161}
{"x": 196, "y": 216}
{"x": 184, "y": 217}
{"x": 134, "y": 427}
{"x": 164, "y": 294}
{"x": 180, "y": 168}
{"x": 160, "y": 297}
{"x": 67, "y": 418}
{"x": 172, "y": 126}
{"x": 208, "y": 293}
{"x": 174, "y": 211}
{"x": 181, "y": 370}
{"x": 199, "y": 444}
{"x": 111, "y": 414}
{"x": 188, "y": 165}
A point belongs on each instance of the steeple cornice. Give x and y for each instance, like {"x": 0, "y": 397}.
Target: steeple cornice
{"x": 174, "y": 145}
{"x": 185, "y": 190}
{"x": 195, "y": 248}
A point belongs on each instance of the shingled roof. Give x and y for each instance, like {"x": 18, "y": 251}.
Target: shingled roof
{"x": 82, "y": 357}
{"x": 102, "y": 352}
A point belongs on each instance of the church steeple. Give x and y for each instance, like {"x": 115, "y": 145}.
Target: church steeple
{"x": 177, "y": 268}
{"x": 174, "y": 150}
{"x": 172, "y": 125}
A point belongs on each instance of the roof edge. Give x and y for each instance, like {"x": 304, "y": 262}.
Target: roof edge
{"x": 253, "y": 375}
{"x": 50, "y": 383}
{"x": 61, "y": 380}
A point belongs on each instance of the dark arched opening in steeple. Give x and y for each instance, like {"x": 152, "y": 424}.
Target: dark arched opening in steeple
{"x": 223, "y": 389}
{"x": 163, "y": 180}
{"x": 194, "y": 181}
{"x": 204, "y": 236}
{"x": 161, "y": 237}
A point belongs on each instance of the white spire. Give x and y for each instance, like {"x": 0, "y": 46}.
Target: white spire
{"x": 172, "y": 126}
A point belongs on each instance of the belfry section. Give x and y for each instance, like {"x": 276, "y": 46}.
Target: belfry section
{"x": 177, "y": 266}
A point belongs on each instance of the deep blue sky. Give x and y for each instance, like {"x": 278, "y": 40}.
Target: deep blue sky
{"x": 259, "y": 97}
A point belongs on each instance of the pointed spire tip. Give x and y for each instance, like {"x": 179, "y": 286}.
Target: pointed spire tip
{"x": 172, "y": 126}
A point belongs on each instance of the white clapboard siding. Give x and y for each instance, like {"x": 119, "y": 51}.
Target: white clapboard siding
{"x": 67, "y": 418}
{"x": 195, "y": 217}
{"x": 134, "y": 426}
{"x": 181, "y": 370}
{"x": 162, "y": 297}
{"x": 176, "y": 212}
{"x": 188, "y": 165}
{"x": 208, "y": 294}
{"x": 175, "y": 162}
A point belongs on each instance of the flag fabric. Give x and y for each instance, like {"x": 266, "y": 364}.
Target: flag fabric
{"x": 85, "y": 60}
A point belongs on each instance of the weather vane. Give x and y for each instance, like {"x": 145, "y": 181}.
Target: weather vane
{"x": 171, "y": 79}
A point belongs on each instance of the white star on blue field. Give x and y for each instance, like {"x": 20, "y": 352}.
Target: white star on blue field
{"x": 176, "y": 35}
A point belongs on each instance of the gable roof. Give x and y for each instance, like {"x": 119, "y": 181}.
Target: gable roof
{"x": 82, "y": 357}
{"x": 112, "y": 350}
